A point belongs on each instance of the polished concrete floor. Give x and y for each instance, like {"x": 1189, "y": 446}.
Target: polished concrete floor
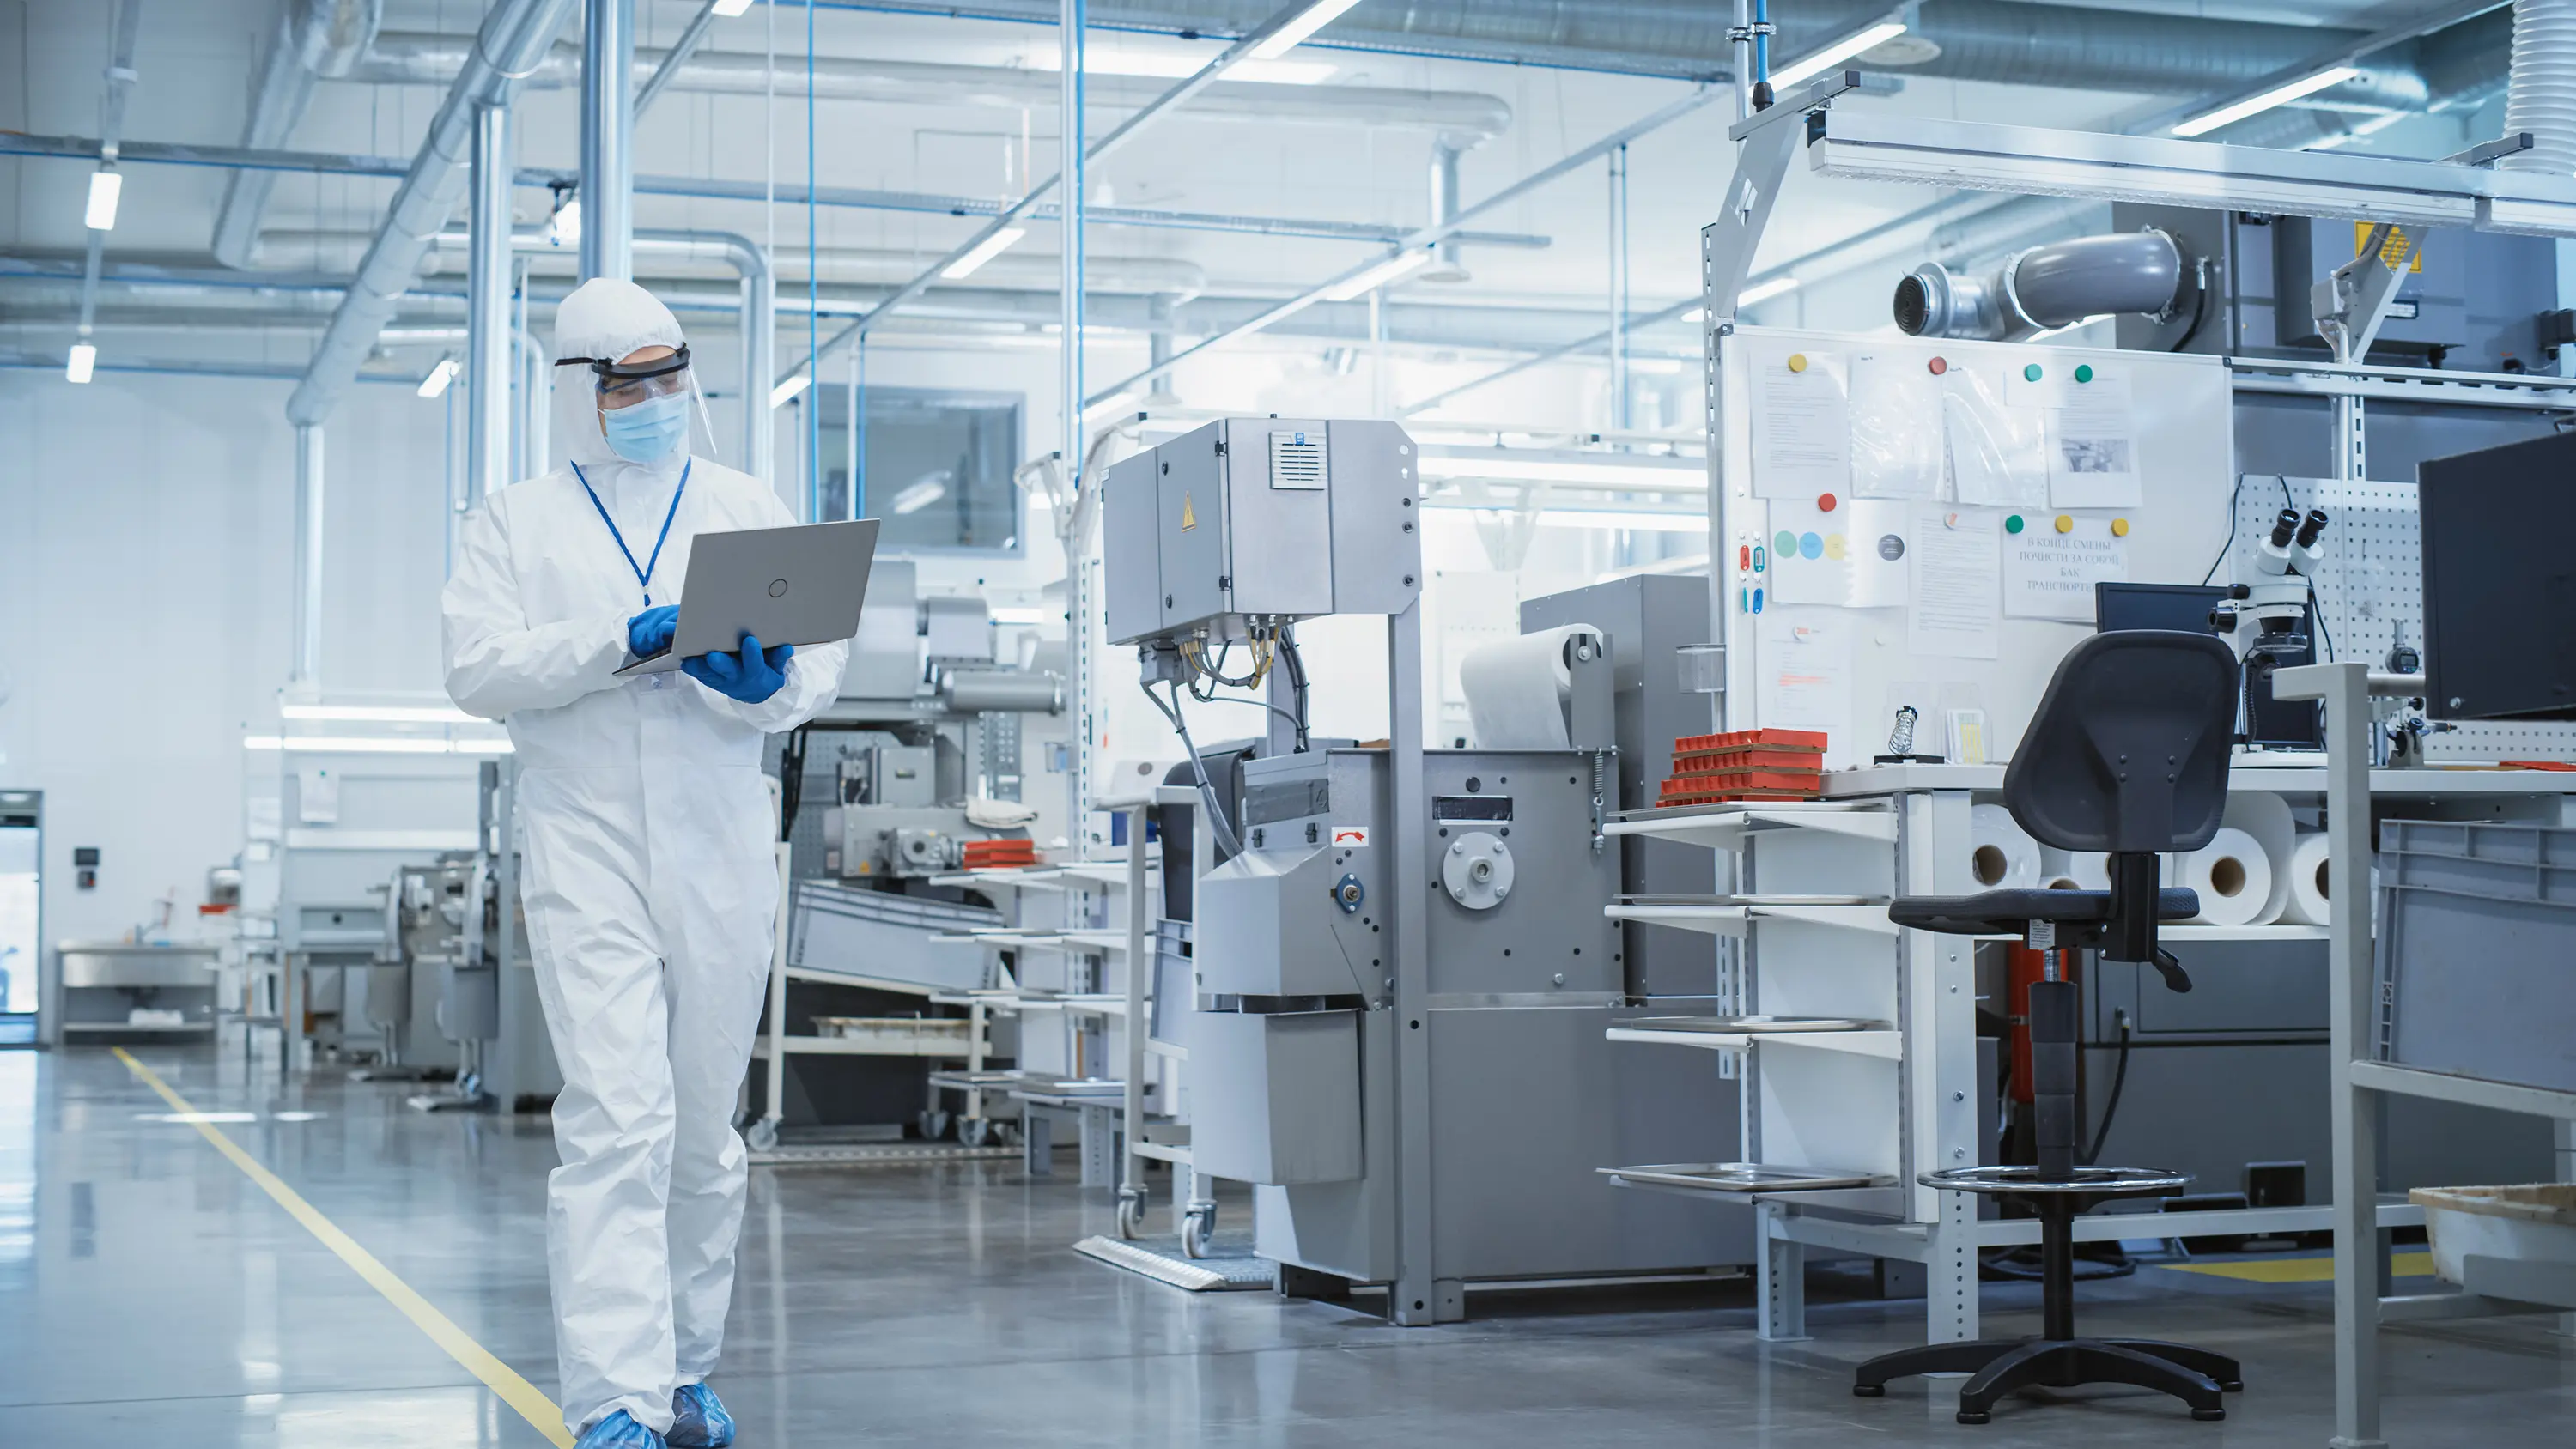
{"x": 151, "y": 1294}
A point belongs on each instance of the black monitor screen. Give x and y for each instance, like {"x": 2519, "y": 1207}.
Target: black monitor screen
{"x": 2500, "y": 580}
{"x": 2183, "y": 607}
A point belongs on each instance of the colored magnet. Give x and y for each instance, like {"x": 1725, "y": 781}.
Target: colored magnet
{"x": 2013, "y": 524}
{"x": 1811, "y": 545}
{"x": 1937, "y": 366}
{"x": 2119, "y": 528}
{"x": 1797, "y": 362}
{"x": 1824, "y": 503}
{"x": 2030, "y": 373}
{"x": 1785, "y": 545}
{"x": 1837, "y": 547}
{"x": 2066, "y": 523}
{"x": 2084, "y": 372}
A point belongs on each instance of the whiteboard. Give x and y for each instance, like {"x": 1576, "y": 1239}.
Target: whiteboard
{"x": 2181, "y": 422}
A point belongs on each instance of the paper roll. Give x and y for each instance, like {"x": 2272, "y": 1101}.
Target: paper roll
{"x": 2057, "y": 870}
{"x": 1517, "y": 688}
{"x": 2266, "y": 817}
{"x": 2002, "y": 855}
{"x": 2232, "y": 876}
{"x": 2307, "y": 872}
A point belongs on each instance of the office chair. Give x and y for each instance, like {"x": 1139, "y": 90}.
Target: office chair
{"x": 2127, "y": 754}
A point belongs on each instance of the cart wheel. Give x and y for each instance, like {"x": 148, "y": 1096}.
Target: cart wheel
{"x": 1197, "y": 1230}
{"x": 763, "y": 1136}
{"x": 932, "y": 1123}
{"x": 976, "y": 1131}
{"x": 1131, "y": 1214}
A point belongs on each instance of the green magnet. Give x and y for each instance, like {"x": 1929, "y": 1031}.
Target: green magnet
{"x": 2013, "y": 524}
{"x": 2030, "y": 373}
{"x": 2084, "y": 372}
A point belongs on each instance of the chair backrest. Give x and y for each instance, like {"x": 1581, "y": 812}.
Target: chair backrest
{"x": 2128, "y": 750}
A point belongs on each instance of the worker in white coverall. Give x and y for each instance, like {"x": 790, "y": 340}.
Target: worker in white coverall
{"x": 650, "y": 885}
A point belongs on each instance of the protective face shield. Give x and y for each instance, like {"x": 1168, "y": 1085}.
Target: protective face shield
{"x": 606, "y": 409}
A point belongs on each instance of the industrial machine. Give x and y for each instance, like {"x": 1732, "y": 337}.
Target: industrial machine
{"x": 1403, "y": 973}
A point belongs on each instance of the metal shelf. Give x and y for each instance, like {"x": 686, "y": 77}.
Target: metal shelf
{"x": 1888, "y": 1045}
{"x": 1723, "y": 917}
{"x": 2469, "y": 1091}
{"x": 1724, "y": 827}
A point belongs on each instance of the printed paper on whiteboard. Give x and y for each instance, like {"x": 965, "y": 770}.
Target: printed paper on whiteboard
{"x": 1998, "y": 452}
{"x": 2093, "y": 452}
{"x": 2050, "y": 575}
{"x": 1851, "y": 555}
{"x": 1895, "y": 427}
{"x": 1801, "y": 424}
{"x": 1805, "y": 680}
{"x": 1955, "y": 608}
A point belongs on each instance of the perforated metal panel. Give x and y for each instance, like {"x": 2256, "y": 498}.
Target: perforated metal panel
{"x": 2370, "y": 593}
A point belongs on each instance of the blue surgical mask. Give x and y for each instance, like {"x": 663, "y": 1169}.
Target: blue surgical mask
{"x": 648, "y": 431}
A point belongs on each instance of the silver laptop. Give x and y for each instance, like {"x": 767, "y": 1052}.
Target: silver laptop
{"x": 801, "y": 585}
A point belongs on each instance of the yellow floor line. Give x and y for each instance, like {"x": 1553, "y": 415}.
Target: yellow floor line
{"x": 477, "y": 1360}
{"x": 2299, "y": 1270}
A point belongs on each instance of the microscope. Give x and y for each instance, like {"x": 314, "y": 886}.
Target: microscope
{"x": 2281, "y": 604}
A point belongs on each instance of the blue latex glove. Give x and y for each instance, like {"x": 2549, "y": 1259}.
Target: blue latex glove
{"x": 650, "y": 632}
{"x": 750, "y": 676}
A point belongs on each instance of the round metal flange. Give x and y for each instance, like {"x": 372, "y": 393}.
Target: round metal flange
{"x": 1477, "y": 870}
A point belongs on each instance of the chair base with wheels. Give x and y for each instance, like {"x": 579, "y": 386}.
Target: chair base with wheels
{"x": 2058, "y": 1358}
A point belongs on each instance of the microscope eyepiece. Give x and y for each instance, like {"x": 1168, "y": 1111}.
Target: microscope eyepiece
{"x": 2314, "y": 524}
{"x": 2283, "y": 527}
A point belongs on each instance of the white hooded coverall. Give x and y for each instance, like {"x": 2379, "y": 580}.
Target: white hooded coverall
{"x": 650, "y": 885}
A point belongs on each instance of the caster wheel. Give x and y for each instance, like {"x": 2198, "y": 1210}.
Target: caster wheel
{"x": 1197, "y": 1230}
{"x": 1869, "y": 1391}
{"x": 762, "y": 1136}
{"x": 1974, "y": 1416}
{"x": 1131, "y": 1217}
{"x": 2209, "y": 1415}
{"x": 976, "y": 1131}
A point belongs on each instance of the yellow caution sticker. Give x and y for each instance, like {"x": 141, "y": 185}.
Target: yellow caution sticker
{"x": 2391, "y": 251}
{"x": 1189, "y": 515}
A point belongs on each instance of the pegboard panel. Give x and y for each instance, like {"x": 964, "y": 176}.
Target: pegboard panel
{"x": 2370, "y": 595}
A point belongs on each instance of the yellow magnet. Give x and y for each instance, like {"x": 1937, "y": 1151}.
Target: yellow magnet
{"x": 1797, "y": 362}
{"x": 2066, "y": 523}
{"x": 2119, "y": 528}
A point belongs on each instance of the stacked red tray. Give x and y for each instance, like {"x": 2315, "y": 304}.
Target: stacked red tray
{"x": 1000, "y": 854}
{"x": 1770, "y": 764}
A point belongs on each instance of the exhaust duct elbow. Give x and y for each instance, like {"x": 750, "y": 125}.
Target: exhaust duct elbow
{"x": 2042, "y": 288}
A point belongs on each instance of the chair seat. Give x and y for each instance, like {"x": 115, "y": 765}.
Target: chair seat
{"x": 2091, "y": 1182}
{"x": 2008, "y": 912}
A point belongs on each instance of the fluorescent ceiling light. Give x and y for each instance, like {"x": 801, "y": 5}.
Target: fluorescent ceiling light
{"x": 790, "y": 390}
{"x": 1294, "y": 33}
{"x": 373, "y": 745}
{"x": 439, "y": 377}
{"x": 1816, "y": 63}
{"x": 2228, "y": 115}
{"x": 1765, "y": 291}
{"x": 1175, "y": 65}
{"x": 105, "y": 186}
{"x": 919, "y": 496}
{"x": 1403, "y": 264}
{"x": 379, "y": 713}
{"x": 729, "y": 9}
{"x": 82, "y": 362}
{"x": 984, "y": 251}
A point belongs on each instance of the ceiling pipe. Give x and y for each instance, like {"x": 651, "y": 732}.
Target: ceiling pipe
{"x": 515, "y": 34}
{"x": 2048, "y": 287}
{"x": 487, "y": 308}
{"x": 2541, "y": 96}
{"x": 1468, "y": 117}
{"x": 607, "y": 127}
{"x": 314, "y": 38}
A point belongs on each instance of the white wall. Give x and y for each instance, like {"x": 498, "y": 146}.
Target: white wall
{"x": 146, "y": 567}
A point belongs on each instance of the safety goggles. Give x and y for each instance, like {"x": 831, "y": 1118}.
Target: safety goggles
{"x": 623, "y": 384}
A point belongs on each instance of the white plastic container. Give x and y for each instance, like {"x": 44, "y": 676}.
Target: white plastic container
{"x": 2532, "y": 1222}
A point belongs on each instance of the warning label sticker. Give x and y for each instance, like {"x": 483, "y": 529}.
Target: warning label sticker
{"x": 1350, "y": 835}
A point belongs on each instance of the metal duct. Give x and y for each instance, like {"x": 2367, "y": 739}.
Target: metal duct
{"x": 2041, "y": 288}
{"x": 2007, "y": 41}
{"x": 607, "y": 129}
{"x": 1000, "y": 691}
{"x": 1465, "y": 117}
{"x": 314, "y": 38}
{"x": 2541, "y": 95}
{"x": 515, "y": 34}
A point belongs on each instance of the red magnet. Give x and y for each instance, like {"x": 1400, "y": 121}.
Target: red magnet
{"x": 1824, "y": 503}
{"x": 1938, "y": 366}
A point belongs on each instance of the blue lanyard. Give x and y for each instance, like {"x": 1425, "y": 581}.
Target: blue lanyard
{"x": 644, "y": 574}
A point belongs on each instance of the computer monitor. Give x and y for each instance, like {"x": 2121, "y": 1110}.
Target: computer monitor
{"x": 2499, "y": 569}
{"x": 2184, "y": 607}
